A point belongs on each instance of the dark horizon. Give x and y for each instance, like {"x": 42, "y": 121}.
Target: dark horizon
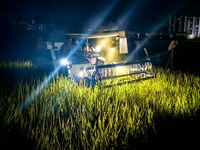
{"x": 143, "y": 15}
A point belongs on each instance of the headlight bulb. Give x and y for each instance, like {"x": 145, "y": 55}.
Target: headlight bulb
{"x": 64, "y": 61}
{"x": 98, "y": 49}
{"x": 81, "y": 74}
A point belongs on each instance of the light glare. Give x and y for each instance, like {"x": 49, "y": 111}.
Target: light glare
{"x": 98, "y": 49}
{"x": 64, "y": 62}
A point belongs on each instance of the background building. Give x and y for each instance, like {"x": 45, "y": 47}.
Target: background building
{"x": 184, "y": 26}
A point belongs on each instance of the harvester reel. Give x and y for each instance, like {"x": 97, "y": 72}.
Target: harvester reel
{"x": 110, "y": 73}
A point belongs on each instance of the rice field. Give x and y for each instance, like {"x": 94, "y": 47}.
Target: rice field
{"x": 39, "y": 112}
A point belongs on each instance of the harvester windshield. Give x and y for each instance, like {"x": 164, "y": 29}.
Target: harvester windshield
{"x": 112, "y": 44}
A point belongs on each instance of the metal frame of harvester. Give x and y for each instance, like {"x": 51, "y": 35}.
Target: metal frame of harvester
{"x": 124, "y": 73}
{"x": 91, "y": 73}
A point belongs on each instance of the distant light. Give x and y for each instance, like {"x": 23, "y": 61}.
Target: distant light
{"x": 191, "y": 36}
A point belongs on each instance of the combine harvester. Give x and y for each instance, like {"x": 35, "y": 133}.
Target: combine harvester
{"x": 101, "y": 58}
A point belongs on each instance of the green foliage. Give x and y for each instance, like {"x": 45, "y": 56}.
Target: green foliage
{"x": 60, "y": 115}
{"x": 16, "y": 64}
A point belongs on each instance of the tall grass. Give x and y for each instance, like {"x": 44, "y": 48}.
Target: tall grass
{"x": 64, "y": 116}
{"x": 15, "y": 64}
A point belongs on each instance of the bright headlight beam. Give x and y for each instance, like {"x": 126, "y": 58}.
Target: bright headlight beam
{"x": 142, "y": 42}
{"x": 37, "y": 91}
{"x": 102, "y": 16}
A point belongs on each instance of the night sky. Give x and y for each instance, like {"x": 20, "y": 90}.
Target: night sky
{"x": 122, "y": 14}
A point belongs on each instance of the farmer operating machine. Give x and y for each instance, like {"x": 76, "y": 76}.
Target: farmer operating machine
{"x": 97, "y": 58}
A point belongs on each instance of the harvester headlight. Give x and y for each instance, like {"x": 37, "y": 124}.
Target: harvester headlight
{"x": 81, "y": 74}
{"x": 120, "y": 70}
{"x": 64, "y": 62}
{"x": 98, "y": 49}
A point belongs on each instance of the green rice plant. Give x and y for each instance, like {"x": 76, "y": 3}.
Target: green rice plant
{"x": 61, "y": 115}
